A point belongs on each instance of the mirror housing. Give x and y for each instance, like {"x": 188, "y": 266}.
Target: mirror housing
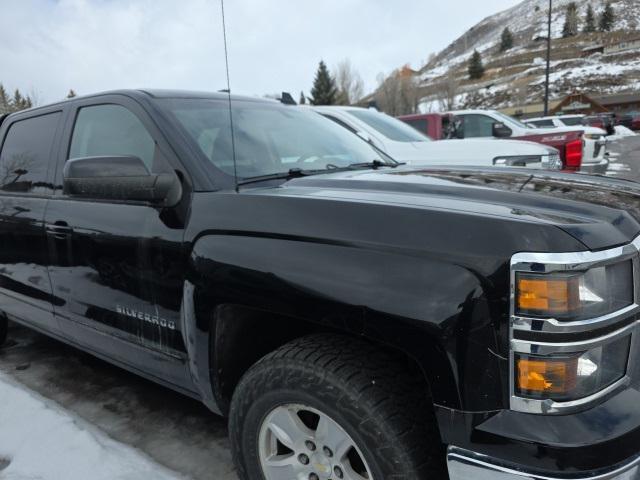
{"x": 119, "y": 178}
{"x": 500, "y": 130}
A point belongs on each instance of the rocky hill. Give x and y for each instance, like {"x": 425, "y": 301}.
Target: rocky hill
{"x": 516, "y": 77}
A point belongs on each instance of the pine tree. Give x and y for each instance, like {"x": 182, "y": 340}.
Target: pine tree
{"x": 303, "y": 99}
{"x": 571, "y": 28}
{"x": 71, "y": 93}
{"x": 324, "y": 89}
{"x": 607, "y": 18}
{"x": 506, "y": 41}
{"x": 17, "y": 103}
{"x": 590, "y": 20}
{"x": 476, "y": 68}
{"x": 5, "y": 102}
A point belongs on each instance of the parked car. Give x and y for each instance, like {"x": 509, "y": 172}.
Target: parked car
{"x": 354, "y": 319}
{"x": 406, "y": 145}
{"x": 435, "y": 125}
{"x": 560, "y": 121}
{"x": 493, "y": 124}
{"x": 595, "y": 138}
{"x": 608, "y": 121}
{"x": 635, "y": 122}
{"x": 573, "y": 146}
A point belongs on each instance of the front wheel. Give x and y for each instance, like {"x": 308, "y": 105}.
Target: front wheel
{"x": 332, "y": 407}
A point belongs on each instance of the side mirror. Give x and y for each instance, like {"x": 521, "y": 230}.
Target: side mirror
{"x": 456, "y": 128}
{"x": 119, "y": 178}
{"x": 500, "y": 130}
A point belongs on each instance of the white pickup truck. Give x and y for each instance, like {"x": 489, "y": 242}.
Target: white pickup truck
{"x": 406, "y": 144}
{"x": 595, "y": 138}
{"x": 491, "y": 123}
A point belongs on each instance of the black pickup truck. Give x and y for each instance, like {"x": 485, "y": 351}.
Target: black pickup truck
{"x": 354, "y": 318}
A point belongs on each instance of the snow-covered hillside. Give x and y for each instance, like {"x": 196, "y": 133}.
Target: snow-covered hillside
{"x": 517, "y": 76}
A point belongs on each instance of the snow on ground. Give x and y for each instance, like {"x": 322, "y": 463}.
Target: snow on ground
{"x": 41, "y": 441}
{"x": 621, "y": 132}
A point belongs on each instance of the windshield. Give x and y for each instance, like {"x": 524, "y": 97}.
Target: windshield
{"x": 508, "y": 119}
{"x": 572, "y": 121}
{"x": 390, "y": 127}
{"x": 268, "y": 138}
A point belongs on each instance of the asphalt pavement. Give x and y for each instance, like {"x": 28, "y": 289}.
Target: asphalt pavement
{"x": 174, "y": 430}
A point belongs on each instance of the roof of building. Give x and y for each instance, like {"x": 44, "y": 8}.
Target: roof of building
{"x": 618, "y": 98}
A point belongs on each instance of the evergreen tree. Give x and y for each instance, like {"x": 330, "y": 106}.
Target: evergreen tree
{"x": 303, "y": 99}
{"x": 607, "y": 18}
{"x": 590, "y": 20}
{"x": 506, "y": 41}
{"x": 5, "y": 102}
{"x": 18, "y": 101}
{"x": 71, "y": 94}
{"x": 476, "y": 68}
{"x": 324, "y": 89}
{"x": 570, "y": 28}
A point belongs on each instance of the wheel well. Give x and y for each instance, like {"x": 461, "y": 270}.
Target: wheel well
{"x": 241, "y": 336}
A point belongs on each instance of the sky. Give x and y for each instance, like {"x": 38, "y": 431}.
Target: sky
{"x": 50, "y": 46}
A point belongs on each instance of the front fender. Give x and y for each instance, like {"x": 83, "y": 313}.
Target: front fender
{"x": 438, "y": 311}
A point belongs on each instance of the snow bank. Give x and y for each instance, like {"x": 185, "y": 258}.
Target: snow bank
{"x": 621, "y": 132}
{"x": 39, "y": 440}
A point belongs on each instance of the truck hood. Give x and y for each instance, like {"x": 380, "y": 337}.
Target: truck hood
{"x": 476, "y": 152}
{"x": 597, "y": 211}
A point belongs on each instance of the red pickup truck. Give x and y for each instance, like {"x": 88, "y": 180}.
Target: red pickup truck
{"x": 491, "y": 123}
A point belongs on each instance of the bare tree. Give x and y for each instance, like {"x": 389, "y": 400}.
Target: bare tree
{"x": 35, "y": 96}
{"x": 398, "y": 93}
{"x": 349, "y": 83}
{"x": 447, "y": 91}
{"x": 15, "y": 167}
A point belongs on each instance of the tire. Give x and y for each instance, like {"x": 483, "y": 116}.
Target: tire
{"x": 4, "y": 326}
{"x": 368, "y": 399}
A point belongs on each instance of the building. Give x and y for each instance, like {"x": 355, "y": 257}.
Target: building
{"x": 623, "y": 46}
{"x": 580, "y": 103}
{"x": 621, "y": 103}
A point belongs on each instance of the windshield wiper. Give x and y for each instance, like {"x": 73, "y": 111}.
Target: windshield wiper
{"x": 375, "y": 164}
{"x": 299, "y": 172}
{"x": 291, "y": 173}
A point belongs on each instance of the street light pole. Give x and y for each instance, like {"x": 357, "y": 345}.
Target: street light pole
{"x": 546, "y": 83}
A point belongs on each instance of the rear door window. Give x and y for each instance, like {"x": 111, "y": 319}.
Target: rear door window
{"x": 420, "y": 124}
{"x": 111, "y": 130}
{"x": 542, "y": 123}
{"x": 26, "y": 154}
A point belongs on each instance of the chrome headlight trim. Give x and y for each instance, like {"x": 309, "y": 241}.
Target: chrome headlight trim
{"x": 628, "y": 318}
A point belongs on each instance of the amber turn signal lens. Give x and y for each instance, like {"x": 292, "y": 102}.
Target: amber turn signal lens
{"x": 540, "y": 294}
{"x": 542, "y": 376}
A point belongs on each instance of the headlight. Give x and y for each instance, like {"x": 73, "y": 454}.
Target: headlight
{"x": 575, "y": 296}
{"x": 517, "y": 160}
{"x": 567, "y": 378}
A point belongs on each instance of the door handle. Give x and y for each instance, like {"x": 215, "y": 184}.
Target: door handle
{"x": 60, "y": 230}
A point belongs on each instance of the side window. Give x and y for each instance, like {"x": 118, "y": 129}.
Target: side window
{"x": 420, "y": 124}
{"x": 111, "y": 130}
{"x": 543, "y": 123}
{"x": 26, "y": 154}
{"x": 478, "y": 126}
